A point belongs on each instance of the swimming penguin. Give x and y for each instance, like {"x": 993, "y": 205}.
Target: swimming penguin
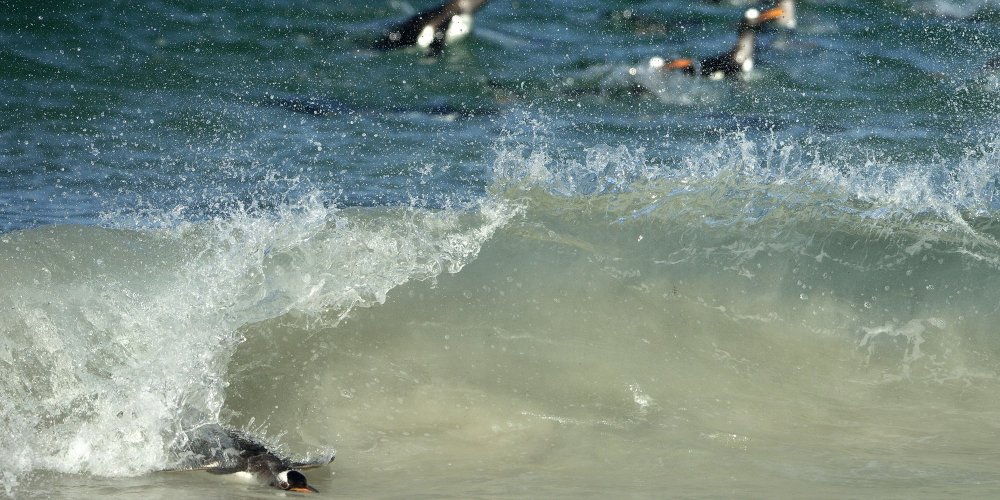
{"x": 229, "y": 451}
{"x": 432, "y": 28}
{"x": 737, "y": 60}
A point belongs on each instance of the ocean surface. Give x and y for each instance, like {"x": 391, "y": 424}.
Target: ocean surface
{"x": 529, "y": 268}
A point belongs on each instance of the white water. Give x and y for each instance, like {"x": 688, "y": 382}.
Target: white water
{"x": 114, "y": 341}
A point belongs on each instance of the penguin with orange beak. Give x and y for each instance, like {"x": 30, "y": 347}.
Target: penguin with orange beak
{"x": 738, "y": 60}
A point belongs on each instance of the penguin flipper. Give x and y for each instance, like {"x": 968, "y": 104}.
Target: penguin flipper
{"x": 314, "y": 463}
{"x": 223, "y": 470}
{"x": 213, "y": 468}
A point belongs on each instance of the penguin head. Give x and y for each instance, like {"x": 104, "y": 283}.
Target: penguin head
{"x": 293, "y": 480}
{"x": 754, "y": 18}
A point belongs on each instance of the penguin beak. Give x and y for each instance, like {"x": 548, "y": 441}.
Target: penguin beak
{"x": 679, "y": 64}
{"x": 772, "y": 14}
{"x": 304, "y": 489}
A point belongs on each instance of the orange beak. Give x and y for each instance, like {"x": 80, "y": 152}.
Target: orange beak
{"x": 679, "y": 64}
{"x": 772, "y": 14}
{"x": 307, "y": 489}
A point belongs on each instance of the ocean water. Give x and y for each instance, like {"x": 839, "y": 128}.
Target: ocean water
{"x": 530, "y": 268}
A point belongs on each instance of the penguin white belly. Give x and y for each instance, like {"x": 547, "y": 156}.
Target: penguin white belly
{"x": 244, "y": 477}
{"x": 460, "y": 27}
{"x": 426, "y": 37}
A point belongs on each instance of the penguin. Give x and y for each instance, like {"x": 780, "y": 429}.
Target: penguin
{"x": 221, "y": 450}
{"x": 432, "y": 28}
{"x": 736, "y": 61}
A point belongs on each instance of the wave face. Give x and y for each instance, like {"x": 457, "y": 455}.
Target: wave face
{"x": 117, "y": 340}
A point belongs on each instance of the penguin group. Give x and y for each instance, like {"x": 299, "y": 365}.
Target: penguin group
{"x": 432, "y": 29}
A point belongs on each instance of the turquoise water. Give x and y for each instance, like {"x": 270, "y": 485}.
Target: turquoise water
{"x": 507, "y": 271}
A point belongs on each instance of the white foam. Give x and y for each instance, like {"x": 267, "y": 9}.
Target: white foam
{"x": 774, "y": 173}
